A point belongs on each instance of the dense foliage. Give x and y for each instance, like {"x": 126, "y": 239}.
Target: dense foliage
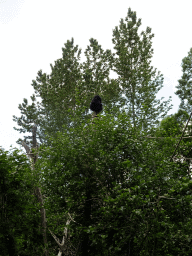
{"x": 122, "y": 191}
{"x": 19, "y": 216}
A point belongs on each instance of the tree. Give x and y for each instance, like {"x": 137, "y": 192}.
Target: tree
{"x": 136, "y": 76}
{"x": 122, "y": 192}
{"x": 19, "y": 218}
{"x": 184, "y": 88}
{"x": 59, "y": 95}
{"x": 83, "y": 165}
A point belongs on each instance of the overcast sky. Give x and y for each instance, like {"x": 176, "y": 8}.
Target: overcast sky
{"x": 32, "y": 33}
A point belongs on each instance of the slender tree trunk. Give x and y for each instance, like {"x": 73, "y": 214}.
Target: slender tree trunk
{"x": 43, "y": 218}
{"x": 37, "y": 190}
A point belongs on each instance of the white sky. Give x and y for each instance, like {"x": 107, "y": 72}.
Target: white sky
{"x": 32, "y": 33}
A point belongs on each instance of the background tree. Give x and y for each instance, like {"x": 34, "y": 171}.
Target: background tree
{"x": 58, "y": 94}
{"x": 137, "y": 78}
{"x": 184, "y": 88}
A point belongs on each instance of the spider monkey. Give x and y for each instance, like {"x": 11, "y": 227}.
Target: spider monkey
{"x": 96, "y": 104}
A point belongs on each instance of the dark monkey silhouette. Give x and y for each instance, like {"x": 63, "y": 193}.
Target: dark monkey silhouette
{"x": 96, "y": 104}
